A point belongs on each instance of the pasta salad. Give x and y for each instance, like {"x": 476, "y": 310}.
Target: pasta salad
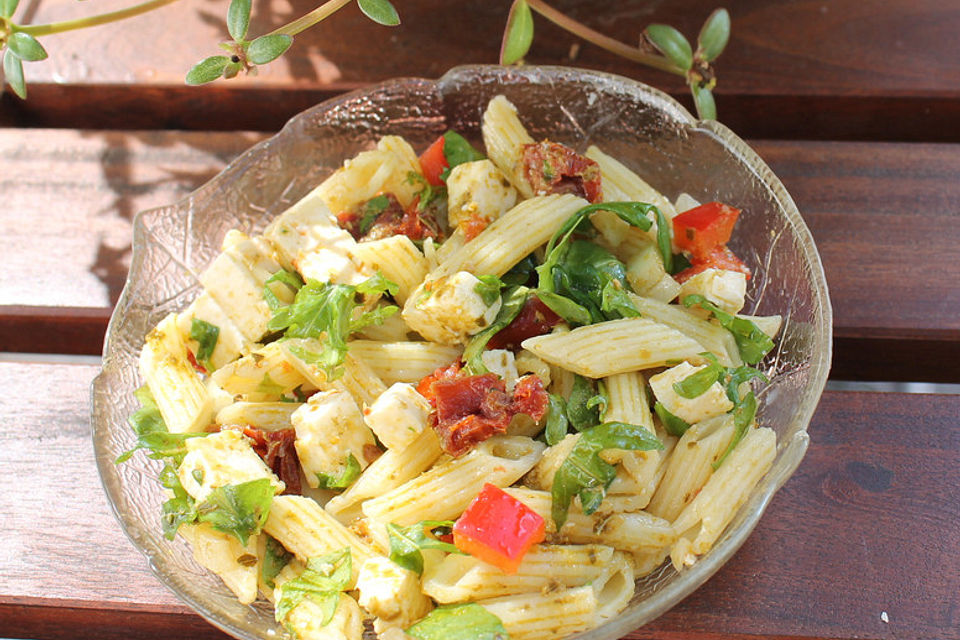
{"x": 460, "y": 395}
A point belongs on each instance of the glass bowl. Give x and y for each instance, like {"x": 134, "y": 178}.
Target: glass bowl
{"x": 640, "y": 126}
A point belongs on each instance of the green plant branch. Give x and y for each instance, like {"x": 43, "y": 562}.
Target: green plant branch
{"x": 317, "y": 15}
{"x": 604, "y": 42}
{"x": 92, "y": 21}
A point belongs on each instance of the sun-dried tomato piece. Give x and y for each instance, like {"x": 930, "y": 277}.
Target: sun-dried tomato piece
{"x": 277, "y": 450}
{"x": 551, "y": 167}
{"x": 535, "y": 319}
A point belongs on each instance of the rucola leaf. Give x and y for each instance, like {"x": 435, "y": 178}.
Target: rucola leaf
{"x": 238, "y": 19}
{"x": 268, "y": 48}
{"x": 380, "y": 11}
{"x": 714, "y": 35}
{"x": 518, "y": 35}
{"x": 468, "y": 621}
{"x": 207, "y": 70}
{"x": 13, "y": 70}
{"x": 26, "y": 47}
{"x": 672, "y": 44}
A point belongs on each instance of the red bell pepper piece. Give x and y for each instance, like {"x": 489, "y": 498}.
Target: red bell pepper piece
{"x": 720, "y": 258}
{"x": 705, "y": 228}
{"x": 498, "y": 529}
{"x": 434, "y": 161}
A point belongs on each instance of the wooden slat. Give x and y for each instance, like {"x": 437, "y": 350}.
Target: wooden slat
{"x": 883, "y": 216}
{"x": 867, "y": 525}
{"x": 848, "y": 69}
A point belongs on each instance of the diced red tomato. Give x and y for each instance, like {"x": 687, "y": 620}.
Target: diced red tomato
{"x": 433, "y": 162}
{"x": 720, "y": 258}
{"x": 535, "y": 319}
{"x": 705, "y": 228}
{"x": 498, "y": 529}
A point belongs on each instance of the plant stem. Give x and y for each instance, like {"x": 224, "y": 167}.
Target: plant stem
{"x": 322, "y": 12}
{"x": 604, "y": 42}
{"x": 92, "y": 21}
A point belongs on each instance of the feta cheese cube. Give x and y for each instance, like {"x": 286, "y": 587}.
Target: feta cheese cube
{"x": 330, "y": 429}
{"x": 398, "y": 416}
{"x": 712, "y": 402}
{"x": 391, "y": 592}
{"x": 478, "y": 191}
{"x": 502, "y": 363}
{"x": 448, "y": 309}
{"x": 220, "y": 459}
{"x": 724, "y": 288}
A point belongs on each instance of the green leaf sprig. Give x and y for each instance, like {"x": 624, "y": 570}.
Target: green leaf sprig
{"x": 152, "y": 434}
{"x": 344, "y": 478}
{"x": 206, "y": 335}
{"x": 406, "y": 543}
{"x": 238, "y": 509}
{"x": 275, "y": 558}
{"x": 324, "y": 579}
{"x": 752, "y": 343}
{"x": 513, "y": 300}
{"x": 459, "y": 622}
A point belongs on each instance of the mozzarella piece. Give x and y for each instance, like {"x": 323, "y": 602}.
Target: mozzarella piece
{"x": 329, "y": 429}
{"x": 502, "y": 363}
{"x": 448, "y": 310}
{"x": 220, "y": 459}
{"x": 478, "y": 191}
{"x": 722, "y": 287}
{"x": 305, "y": 620}
{"x": 390, "y": 592}
{"x": 230, "y": 342}
{"x": 710, "y": 403}
{"x": 398, "y": 416}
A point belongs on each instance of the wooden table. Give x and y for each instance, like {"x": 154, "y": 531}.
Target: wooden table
{"x": 855, "y": 105}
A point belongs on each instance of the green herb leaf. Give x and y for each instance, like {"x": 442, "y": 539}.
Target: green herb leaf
{"x": 377, "y": 284}
{"x": 738, "y": 376}
{"x": 679, "y": 263}
{"x": 8, "y": 7}
{"x": 512, "y": 303}
{"x": 13, "y": 71}
{"x": 268, "y": 48}
{"x": 489, "y": 288}
{"x": 672, "y": 44}
{"x": 207, "y": 70}
{"x": 26, "y": 47}
{"x": 459, "y": 622}
{"x": 457, "y": 151}
{"x": 703, "y": 99}
{"x": 586, "y": 474}
{"x": 152, "y": 433}
{"x": 581, "y": 412}
{"x": 380, "y": 11}
{"x": 291, "y": 279}
{"x": 406, "y": 543}
{"x": 664, "y": 246}
{"x": 743, "y": 414}
{"x": 240, "y": 510}
{"x": 518, "y": 36}
{"x": 275, "y": 558}
{"x": 238, "y": 19}
{"x": 714, "y": 35}
{"x": 615, "y": 303}
{"x": 206, "y": 335}
{"x": 322, "y": 581}
{"x": 566, "y": 308}
{"x": 344, "y": 478}
{"x": 520, "y": 273}
{"x": 557, "y": 423}
{"x": 697, "y": 383}
{"x": 370, "y": 211}
{"x": 674, "y": 425}
{"x": 752, "y": 343}
{"x": 178, "y": 510}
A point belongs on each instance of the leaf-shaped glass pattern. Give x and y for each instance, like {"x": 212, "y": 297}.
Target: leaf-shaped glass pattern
{"x": 641, "y": 126}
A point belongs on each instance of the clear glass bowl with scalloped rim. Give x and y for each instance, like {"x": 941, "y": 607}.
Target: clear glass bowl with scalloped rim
{"x": 634, "y": 123}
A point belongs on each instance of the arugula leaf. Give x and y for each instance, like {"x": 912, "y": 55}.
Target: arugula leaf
{"x": 520, "y": 273}
{"x": 752, "y": 343}
{"x": 633, "y": 213}
{"x": 377, "y": 284}
{"x": 428, "y": 192}
{"x": 275, "y": 558}
{"x": 674, "y": 425}
{"x": 178, "y": 510}
{"x": 489, "y": 288}
{"x": 290, "y": 278}
{"x": 407, "y": 542}
{"x": 583, "y": 405}
{"x": 679, "y": 263}
{"x": 663, "y": 240}
{"x": 566, "y": 308}
{"x": 457, "y": 151}
{"x": 584, "y": 473}
{"x": 615, "y": 303}
{"x": 697, "y": 383}
{"x": 343, "y": 479}
{"x": 743, "y": 414}
{"x": 370, "y": 211}
{"x": 513, "y": 301}
{"x": 459, "y": 622}
{"x": 557, "y": 423}
{"x": 322, "y": 581}
{"x": 238, "y": 509}
{"x": 206, "y": 335}
{"x": 152, "y": 433}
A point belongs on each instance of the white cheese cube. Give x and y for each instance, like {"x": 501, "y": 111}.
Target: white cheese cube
{"x": 478, "y": 191}
{"x": 391, "y": 592}
{"x": 230, "y": 342}
{"x": 220, "y": 459}
{"x": 712, "y": 402}
{"x": 330, "y": 429}
{"x": 449, "y": 310}
{"x": 724, "y": 288}
{"x": 502, "y": 363}
{"x": 304, "y": 620}
{"x": 398, "y": 416}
